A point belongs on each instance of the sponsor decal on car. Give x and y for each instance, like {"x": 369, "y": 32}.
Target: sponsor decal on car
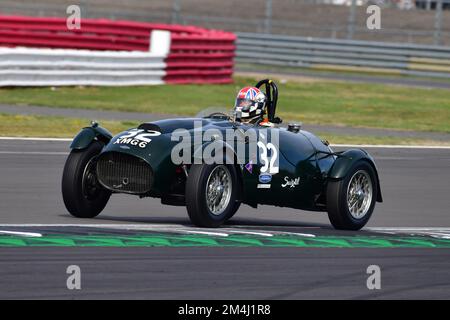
{"x": 265, "y": 178}
{"x": 249, "y": 166}
{"x": 290, "y": 182}
{"x": 263, "y": 186}
{"x": 138, "y": 137}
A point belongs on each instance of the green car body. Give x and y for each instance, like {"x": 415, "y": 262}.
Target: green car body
{"x": 215, "y": 163}
{"x": 301, "y": 155}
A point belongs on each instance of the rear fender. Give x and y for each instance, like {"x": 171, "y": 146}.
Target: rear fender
{"x": 88, "y": 134}
{"x": 346, "y": 160}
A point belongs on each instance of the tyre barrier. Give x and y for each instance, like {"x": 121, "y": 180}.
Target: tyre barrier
{"x": 37, "y": 51}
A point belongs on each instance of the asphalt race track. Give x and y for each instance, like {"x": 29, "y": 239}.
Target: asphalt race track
{"x": 138, "y": 248}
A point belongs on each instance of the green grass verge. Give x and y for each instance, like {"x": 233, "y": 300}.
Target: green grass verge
{"x": 317, "y": 102}
{"x": 55, "y": 127}
{"x": 61, "y": 127}
{"x": 378, "y": 140}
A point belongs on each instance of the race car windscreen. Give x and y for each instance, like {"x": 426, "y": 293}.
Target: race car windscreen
{"x": 214, "y": 111}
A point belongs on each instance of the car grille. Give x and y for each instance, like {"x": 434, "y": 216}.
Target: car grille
{"x": 124, "y": 173}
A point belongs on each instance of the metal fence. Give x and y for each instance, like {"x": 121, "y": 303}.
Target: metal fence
{"x": 412, "y": 21}
{"x": 344, "y": 55}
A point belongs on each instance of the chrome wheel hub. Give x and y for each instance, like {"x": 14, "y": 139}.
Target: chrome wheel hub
{"x": 218, "y": 190}
{"x": 359, "y": 194}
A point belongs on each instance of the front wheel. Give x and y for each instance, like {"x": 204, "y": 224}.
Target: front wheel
{"x": 83, "y": 196}
{"x": 211, "y": 194}
{"x": 351, "y": 201}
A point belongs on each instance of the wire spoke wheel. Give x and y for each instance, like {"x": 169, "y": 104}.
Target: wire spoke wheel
{"x": 212, "y": 194}
{"x": 218, "y": 190}
{"x": 359, "y": 194}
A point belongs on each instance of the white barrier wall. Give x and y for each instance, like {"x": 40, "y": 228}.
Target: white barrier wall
{"x": 61, "y": 67}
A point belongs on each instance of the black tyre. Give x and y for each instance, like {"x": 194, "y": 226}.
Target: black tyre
{"x": 351, "y": 201}
{"x": 211, "y": 194}
{"x": 235, "y": 209}
{"x": 82, "y": 194}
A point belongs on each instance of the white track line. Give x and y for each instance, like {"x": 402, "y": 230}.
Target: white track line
{"x": 144, "y": 226}
{"x": 97, "y": 225}
{"x": 389, "y": 146}
{"x": 25, "y": 234}
{"x": 208, "y": 233}
{"x": 445, "y": 229}
{"x": 168, "y": 228}
{"x": 303, "y": 227}
{"x": 177, "y": 228}
{"x": 271, "y": 234}
{"x": 36, "y": 139}
{"x": 161, "y": 228}
{"x": 381, "y": 146}
{"x": 251, "y": 232}
{"x": 441, "y": 233}
{"x": 437, "y": 232}
{"x": 35, "y": 153}
{"x": 307, "y": 235}
{"x": 436, "y": 235}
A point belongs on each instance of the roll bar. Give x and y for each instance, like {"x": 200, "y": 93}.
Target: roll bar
{"x": 272, "y": 98}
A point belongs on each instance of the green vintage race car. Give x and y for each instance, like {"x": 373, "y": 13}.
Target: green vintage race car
{"x": 214, "y": 163}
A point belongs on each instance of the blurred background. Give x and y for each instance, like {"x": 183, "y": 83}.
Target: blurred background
{"x": 406, "y": 21}
{"x": 344, "y": 81}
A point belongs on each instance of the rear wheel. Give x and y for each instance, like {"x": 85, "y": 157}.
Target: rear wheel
{"x": 83, "y": 196}
{"x": 351, "y": 201}
{"x": 211, "y": 194}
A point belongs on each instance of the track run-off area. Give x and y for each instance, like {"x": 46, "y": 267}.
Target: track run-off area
{"x": 138, "y": 248}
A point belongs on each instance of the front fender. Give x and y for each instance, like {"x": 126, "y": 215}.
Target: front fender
{"x": 229, "y": 155}
{"x": 346, "y": 160}
{"x": 88, "y": 134}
